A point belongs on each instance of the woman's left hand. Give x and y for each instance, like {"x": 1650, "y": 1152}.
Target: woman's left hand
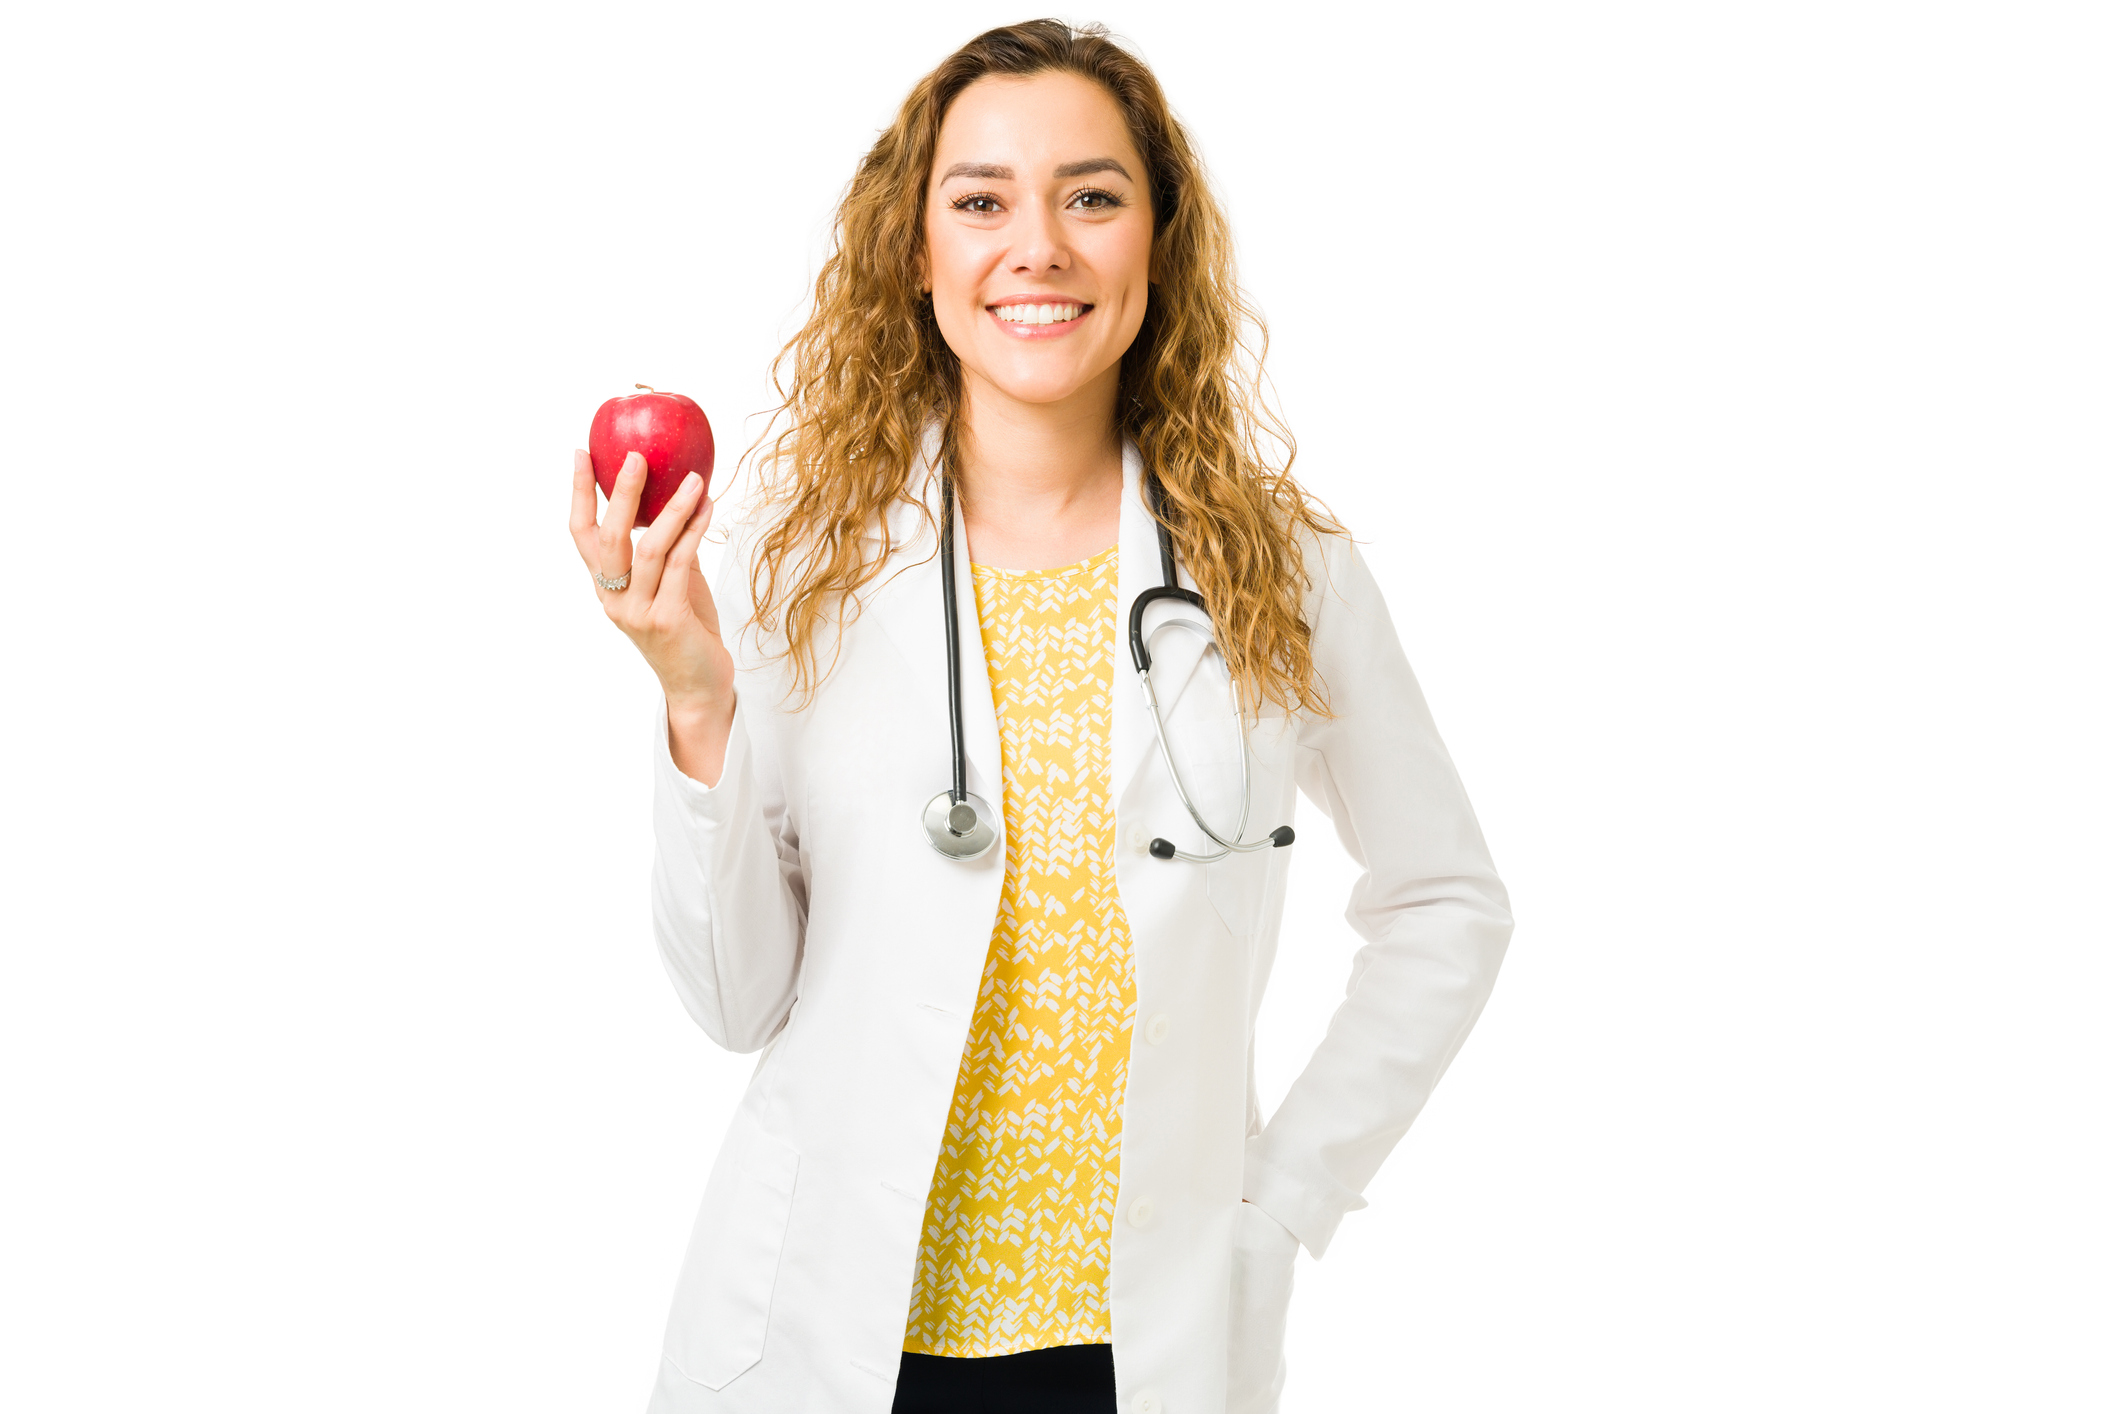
{"x": 1262, "y": 1277}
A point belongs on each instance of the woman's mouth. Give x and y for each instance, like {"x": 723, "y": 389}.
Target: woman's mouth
{"x": 1039, "y": 320}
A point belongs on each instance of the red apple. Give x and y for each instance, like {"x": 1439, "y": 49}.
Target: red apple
{"x": 668, "y": 429}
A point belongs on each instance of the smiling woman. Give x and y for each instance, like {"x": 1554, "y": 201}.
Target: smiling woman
{"x": 1003, "y": 1151}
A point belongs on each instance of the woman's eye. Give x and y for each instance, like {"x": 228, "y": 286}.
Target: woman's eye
{"x": 1094, "y": 200}
{"x": 984, "y": 205}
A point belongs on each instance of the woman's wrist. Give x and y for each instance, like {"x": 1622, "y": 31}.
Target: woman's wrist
{"x": 699, "y": 709}
{"x": 699, "y": 733}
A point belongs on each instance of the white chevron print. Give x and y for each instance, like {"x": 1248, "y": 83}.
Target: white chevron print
{"x": 1015, "y": 1252}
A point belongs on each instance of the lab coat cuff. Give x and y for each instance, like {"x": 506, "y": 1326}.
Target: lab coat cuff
{"x": 1312, "y": 1211}
{"x": 704, "y": 804}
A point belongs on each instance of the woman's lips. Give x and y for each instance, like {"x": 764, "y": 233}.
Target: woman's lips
{"x": 1031, "y": 327}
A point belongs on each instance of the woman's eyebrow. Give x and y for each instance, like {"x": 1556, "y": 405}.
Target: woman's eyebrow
{"x": 994, "y": 172}
{"x": 1094, "y": 164}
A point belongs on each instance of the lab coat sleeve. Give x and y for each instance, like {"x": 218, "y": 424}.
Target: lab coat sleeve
{"x": 1432, "y": 914}
{"x": 727, "y": 892}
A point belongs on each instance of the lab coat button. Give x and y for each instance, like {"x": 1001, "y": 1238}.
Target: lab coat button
{"x": 1142, "y": 1213}
{"x": 1137, "y": 839}
{"x": 1158, "y": 1028}
{"x": 1146, "y": 1403}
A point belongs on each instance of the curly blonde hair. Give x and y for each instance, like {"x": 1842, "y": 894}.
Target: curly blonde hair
{"x": 870, "y": 371}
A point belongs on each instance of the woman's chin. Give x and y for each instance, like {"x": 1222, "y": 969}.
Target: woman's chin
{"x": 1040, "y": 386}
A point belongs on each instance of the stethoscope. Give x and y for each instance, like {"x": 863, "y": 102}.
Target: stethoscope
{"x": 961, "y": 826}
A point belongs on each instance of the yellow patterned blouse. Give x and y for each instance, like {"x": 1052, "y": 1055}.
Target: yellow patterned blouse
{"x": 1015, "y": 1252}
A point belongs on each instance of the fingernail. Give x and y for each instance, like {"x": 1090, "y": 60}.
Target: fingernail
{"x": 691, "y": 480}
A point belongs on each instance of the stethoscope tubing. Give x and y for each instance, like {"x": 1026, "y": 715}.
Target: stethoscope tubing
{"x": 1138, "y": 644}
{"x": 953, "y": 646}
{"x": 951, "y": 820}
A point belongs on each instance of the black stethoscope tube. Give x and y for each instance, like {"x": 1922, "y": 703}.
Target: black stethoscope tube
{"x": 1167, "y": 590}
{"x": 949, "y": 628}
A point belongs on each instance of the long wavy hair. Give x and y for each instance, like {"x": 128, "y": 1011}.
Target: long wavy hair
{"x": 870, "y": 372}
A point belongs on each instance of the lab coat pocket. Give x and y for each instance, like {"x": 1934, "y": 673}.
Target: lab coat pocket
{"x": 1262, "y": 1277}
{"x": 725, "y": 1292}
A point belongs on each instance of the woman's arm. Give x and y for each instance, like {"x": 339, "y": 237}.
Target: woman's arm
{"x": 1432, "y": 913}
{"x": 727, "y": 890}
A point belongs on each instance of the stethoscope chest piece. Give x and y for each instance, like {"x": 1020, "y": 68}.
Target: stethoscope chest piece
{"x": 959, "y": 829}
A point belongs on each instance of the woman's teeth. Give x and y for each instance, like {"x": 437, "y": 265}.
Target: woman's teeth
{"x": 1037, "y": 313}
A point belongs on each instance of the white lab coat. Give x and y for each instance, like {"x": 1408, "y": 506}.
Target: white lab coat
{"x": 800, "y": 908}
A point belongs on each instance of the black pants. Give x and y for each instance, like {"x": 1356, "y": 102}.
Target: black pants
{"x": 1065, "y": 1379}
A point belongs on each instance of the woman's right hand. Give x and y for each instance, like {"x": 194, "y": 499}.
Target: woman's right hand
{"x": 666, "y": 607}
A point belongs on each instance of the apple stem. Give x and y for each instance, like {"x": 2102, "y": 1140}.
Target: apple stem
{"x": 643, "y": 385}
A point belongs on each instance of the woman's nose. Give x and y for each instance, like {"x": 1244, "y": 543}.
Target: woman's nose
{"x": 1041, "y": 241}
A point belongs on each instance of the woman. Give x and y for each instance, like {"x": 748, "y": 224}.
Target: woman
{"x": 1001, "y": 1150}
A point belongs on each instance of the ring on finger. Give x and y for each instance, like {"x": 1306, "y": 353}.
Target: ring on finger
{"x": 612, "y": 584}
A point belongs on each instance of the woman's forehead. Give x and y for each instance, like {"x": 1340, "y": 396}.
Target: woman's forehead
{"x": 1033, "y": 126}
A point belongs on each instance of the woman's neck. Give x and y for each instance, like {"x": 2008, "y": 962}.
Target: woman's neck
{"x": 1039, "y": 482}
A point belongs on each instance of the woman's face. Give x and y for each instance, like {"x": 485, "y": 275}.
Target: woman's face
{"x": 1038, "y": 232}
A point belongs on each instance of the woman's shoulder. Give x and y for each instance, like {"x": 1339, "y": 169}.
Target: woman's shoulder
{"x": 1335, "y": 576}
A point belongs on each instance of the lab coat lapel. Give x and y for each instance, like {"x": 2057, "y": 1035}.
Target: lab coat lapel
{"x": 907, "y": 605}
{"x": 1173, "y": 657}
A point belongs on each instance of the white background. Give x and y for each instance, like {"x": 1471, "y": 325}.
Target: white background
{"x": 1725, "y": 395}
